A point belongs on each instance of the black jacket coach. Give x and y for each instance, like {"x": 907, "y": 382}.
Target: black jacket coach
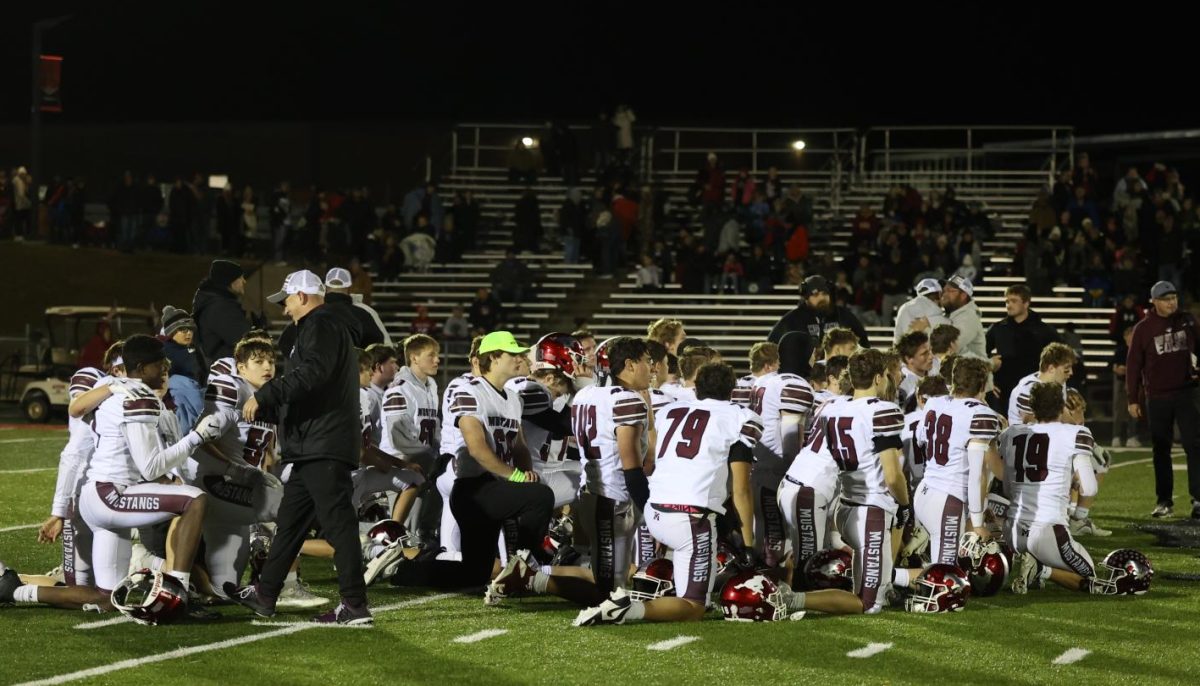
{"x": 805, "y": 319}
{"x": 317, "y": 398}
{"x": 364, "y": 331}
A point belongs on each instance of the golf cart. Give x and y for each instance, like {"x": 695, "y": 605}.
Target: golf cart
{"x": 68, "y": 332}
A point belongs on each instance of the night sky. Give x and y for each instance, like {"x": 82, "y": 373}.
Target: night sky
{"x": 732, "y": 63}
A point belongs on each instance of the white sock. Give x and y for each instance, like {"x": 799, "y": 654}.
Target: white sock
{"x": 1080, "y": 513}
{"x": 25, "y": 595}
{"x": 291, "y": 577}
{"x": 1044, "y": 575}
{"x": 901, "y": 577}
{"x": 185, "y": 578}
{"x": 540, "y": 580}
{"x": 796, "y": 601}
{"x": 637, "y": 610}
{"x": 548, "y": 569}
{"x": 156, "y": 563}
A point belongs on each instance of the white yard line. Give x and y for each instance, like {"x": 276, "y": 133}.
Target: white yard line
{"x": 19, "y": 527}
{"x": 119, "y": 619}
{"x": 869, "y": 650}
{"x": 1131, "y": 462}
{"x": 310, "y": 625}
{"x": 671, "y": 644}
{"x": 28, "y": 471}
{"x": 284, "y": 630}
{"x": 30, "y": 440}
{"x": 480, "y": 636}
{"x": 1071, "y": 656}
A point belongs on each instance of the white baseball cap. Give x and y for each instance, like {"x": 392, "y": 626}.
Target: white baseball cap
{"x": 337, "y": 278}
{"x": 302, "y": 281}
{"x": 963, "y": 284}
{"x": 928, "y": 286}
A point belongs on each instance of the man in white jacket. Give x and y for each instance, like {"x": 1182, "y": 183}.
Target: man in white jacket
{"x": 923, "y": 312}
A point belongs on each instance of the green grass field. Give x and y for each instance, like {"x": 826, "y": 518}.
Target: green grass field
{"x": 1004, "y": 639}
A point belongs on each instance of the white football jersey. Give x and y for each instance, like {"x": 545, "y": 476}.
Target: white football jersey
{"x": 948, "y": 425}
{"x": 535, "y": 399}
{"x": 678, "y": 392}
{"x": 1040, "y": 462}
{"x": 914, "y": 452}
{"x": 814, "y": 466}
{"x": 659, "y": 399}
{"x": 224, "y": 366}
{"x": 81, "y": 443}
{"x": 369, "y": 416}
{"x": 691, "y": 464}
{"x": 252, "y": 440}
{"x": 774, "y": 394}
{"x": 743, "y": 391}
{"x": 856, "y": 432}
{"x": 410, "y": 415}
{"x": 1018, "y": 401}
{"x": 908, "y": 389}
{"x": 500, "y": 414}
{"x": 129, "y": 447}
{"x": 451, "y": 437}
{"x": 596, "y": 414}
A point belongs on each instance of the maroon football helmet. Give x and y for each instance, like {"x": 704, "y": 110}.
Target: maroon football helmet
{"x": 940, "y": 588}
{"x": 833, "y": 568}
{"x": 388, "y": 531}
{"x": 1124, "y": 571}
{"x": 603, "y": 368}
{"x": 558, "y": 351}
{"x": 150, "y": 597}
{"x": 986, "y": 564}
{"x": 752, "y": 597}
{"x": 654, "y": 580}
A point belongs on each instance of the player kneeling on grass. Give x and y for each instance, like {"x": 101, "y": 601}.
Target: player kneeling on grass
{"x": 1040, "y": 462}
{"x": 702, "y": 445}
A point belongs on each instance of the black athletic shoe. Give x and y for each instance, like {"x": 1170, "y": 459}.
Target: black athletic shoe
{"x": 346, "y": 615}
{"x": 249, "y": 596}
{"x": 9, "y": 582}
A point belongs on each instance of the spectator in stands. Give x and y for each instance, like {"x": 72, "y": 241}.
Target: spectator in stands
{"x": 607, "y": 242}
{"x": 1042, "y": 214}
{"x": 759, "y": 271}
{"x": 150, "y": 204}
{"x": 524, "y": 163}
{"x": 249, "y": 219}
{"x": 623, "y": 119}
{"x": 281, "y": 220}
{"x": 865, "y": 225}
{"x": 1126, "y": 315}
{"x": 361, "y": 284}
{"x": 449, "y": 242}
{"x": 485, "y": 313}
{"x": 1125, "y": 427}
{"x": 456, "y": 331}
{"x": 422, "y": 200}
{"x": 1016, "y": 342}
{"x": 944, "y": 257}
{"x": 419, "y": 250}
{"x": 709, "y": 189}
{"x": 188, "y": 375}
{"x": 423, "y": 323}
{"x": 527, "y": 216}
{"x": 512, "y": 279}
{"x": 181, "y": 205}
{"x": 923, "y": 312}
{"x": 648, "y": 275}
{"x": 1084, "y": 176}
{"x": 1081, "y": 207}
{"x": 229, "y": 222}
{"x": 772, "y": 186}
{"x": 957, "y": 299}
{"x": 572, "y": 218}
{"x": 124, "y": 211}
{"x": 663, "y": 259}
{"x": 896, "y": 278}
{"x": 391, "y": 261}
{"x": 816, "y": 314}
{"x": 1170, "y": 252}
{"x": 22, "y": 193}
{"x": 201, "y": 216}
{"x": 220, "y": 320}
{"x": 732, "y": 274}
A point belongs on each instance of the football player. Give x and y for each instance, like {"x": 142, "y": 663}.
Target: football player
{"x": 943, "y": 342}
{"x": 838, "y": 342}
{"x": 1040, "y": 462}
{"x": 494, "y": 478}
{"x": 958, "y": 434}
{"x": 228, "y": 365}
{"x": 931, "y": 386}
{"x": 127, "y": 484}
{"x": 782, "y": 399}
{"x": 1054, "y": 365}
{"x": 1074, "y": 412}
{"x": 587, "y": 372}
{"x": 381, "y": 371}
{"x": 703, "y": 446}
{"x": 918, "y": 360}
{"x": 612, "y": 430}
{"x": 690, "y": 361}
{"x": 764, "y": 359}
{"x": 546, "y": 398}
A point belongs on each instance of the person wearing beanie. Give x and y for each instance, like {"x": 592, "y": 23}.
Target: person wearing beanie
{"x": 189, "y": 369}
{"x": 816, "y": 314}
{"x": 220, "y": 319}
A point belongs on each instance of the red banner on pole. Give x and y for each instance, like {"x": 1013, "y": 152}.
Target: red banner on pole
{"x": 50, "y": 84}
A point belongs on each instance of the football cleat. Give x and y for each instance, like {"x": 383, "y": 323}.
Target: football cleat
{"x": 346, "y": 616}
{"x": 1086, "y": 527}
{"x": 387, "y": 558}
{"x": 611, "y": 611}
{"x": 9, "y": 582}
{"x": 296, "y": 594}
{"x": 249, "y": 597}
{"x": 1024, "y": 573}
{"x": 516, "y": 577}
{"x": 140, "y": 558}
{"x": 1162, "y": 510}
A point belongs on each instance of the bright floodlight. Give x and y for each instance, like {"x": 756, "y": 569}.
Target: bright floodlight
{"x": 798, "y": 145}
{"x": 527, "y": 142}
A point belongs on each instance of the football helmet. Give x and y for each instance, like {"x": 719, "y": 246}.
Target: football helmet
{"x": 150, "y": 597}
{"x": 833, "y": 568}
{"x": 752, "y": 597}
{"x": 388, "y": 531}
{"x": 987, "y": 564}
{"x": 655, "y": 579}
{"x": 374, "y": 508}
{"x": 1124, "y": 571}
{"x": 940, "y": 588}
{"x": 603, "y": 368}
{"x": 260, "y": 548}
{"x": 558, "y": 351}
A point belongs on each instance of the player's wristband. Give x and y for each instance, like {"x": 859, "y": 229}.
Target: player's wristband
{"x": 517, "y": 476}
{"x": 976, "y": 519}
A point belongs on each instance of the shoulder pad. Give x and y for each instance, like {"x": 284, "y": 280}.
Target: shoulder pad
{"x": 141, "y": 408}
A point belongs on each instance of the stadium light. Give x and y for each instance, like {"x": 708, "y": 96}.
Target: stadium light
{"x": 528, "y": 142}
{"x": 798, "y": 145}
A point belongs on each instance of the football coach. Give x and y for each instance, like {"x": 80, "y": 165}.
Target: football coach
{"x": 318, "y": 407}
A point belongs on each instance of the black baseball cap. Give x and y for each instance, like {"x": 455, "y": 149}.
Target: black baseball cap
{"x": 814, "y": 284}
